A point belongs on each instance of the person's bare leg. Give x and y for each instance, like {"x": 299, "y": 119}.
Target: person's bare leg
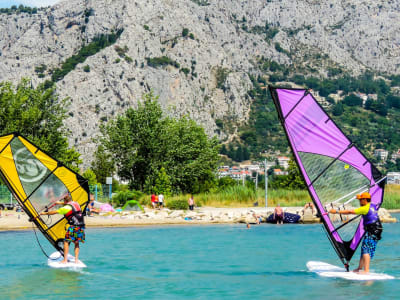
{"x": 66, "y": 249}
{"x": 76, "y": 252}
{"x": 366, "y": 262}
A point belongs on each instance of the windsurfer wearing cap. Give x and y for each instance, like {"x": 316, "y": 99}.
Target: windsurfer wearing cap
{"x": 76, "y": 230}
{"x": 372, "y": 227}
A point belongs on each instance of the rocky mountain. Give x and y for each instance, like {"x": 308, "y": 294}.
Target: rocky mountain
{"x": 196, "y": 55}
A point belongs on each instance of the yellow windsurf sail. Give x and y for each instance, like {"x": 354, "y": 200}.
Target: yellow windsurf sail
{"x": 37, "y": 181}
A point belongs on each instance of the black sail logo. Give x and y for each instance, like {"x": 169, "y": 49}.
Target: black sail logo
{"x": 29, "y": 168}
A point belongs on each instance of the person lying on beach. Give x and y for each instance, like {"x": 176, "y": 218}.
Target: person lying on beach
{"x": 76, "y": 230}
{"x": 278, "y": 214}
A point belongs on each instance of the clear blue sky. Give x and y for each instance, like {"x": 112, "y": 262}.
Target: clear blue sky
{"x": 32, "y": 3}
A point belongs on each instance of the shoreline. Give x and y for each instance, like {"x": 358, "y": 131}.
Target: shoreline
{"x": 11, "y": 220}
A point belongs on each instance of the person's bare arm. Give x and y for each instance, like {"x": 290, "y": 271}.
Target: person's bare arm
{"x": 53, "y": 212}
{"x": 343, "y": 212}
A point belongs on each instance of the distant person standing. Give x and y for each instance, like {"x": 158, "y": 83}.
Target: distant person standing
{"x": 161, "y": 200}
{"x": 153, "y": 200}
{"x": 279, "y": 214}
{"x": 191, "y": 202}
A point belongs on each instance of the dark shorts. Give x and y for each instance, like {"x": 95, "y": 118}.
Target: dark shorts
{"x": 279, "y": 217}
{"x": 75, "y": 234}
{"x": 191, "y": 207}
{"x": 369, "y": 245}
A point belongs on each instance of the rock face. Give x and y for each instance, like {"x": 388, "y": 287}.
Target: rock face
{"x": 222, "y": 37}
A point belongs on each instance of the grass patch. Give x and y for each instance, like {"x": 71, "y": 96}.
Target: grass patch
{"x": 391, "y": 199}
{"x": 239, "y": 196}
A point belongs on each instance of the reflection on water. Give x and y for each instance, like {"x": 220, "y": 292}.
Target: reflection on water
{"x": 38, "y": 281}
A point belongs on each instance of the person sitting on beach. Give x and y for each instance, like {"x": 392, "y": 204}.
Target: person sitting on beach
{"x": 76, "y": 230}
{"x": 308, "y": 205}
{"x": 278, "y": 214}
{"x": 258, "y": 218}
{"x": 90, "y": 208}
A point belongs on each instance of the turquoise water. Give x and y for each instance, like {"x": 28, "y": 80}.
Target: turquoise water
{"x": 194, "y": 262}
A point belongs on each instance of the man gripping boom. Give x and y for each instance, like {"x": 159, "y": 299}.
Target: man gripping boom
{"x": 372, "y": 226}
{"x": 76, "y": 230}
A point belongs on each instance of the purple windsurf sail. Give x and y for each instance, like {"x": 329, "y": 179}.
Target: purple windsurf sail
{"x": 334, "y": 170}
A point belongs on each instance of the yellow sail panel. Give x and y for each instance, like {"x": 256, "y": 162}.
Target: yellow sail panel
{"x": 46, "y": 160}
{"x": 70, "y": 180}
{"x": 80, "y": 196}
{"x": 57, "y": 232}
{"x": 4, "y": 140}
{"x": 9, "y": 170}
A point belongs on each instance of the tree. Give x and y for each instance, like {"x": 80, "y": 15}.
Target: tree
{"x": 90, "y": 176}
{"x": 142, "y": 141}
{"x": 102, "y": 165}
{"x": 185, "y": 32}
{"x": 38, "y": 114}
{"x": 134, "y": 142}
{"x": 352, "y": 100}
{"x": 190, "y": 157}
{"x": 163, "y": 183}
{"x": 338, "y": 109}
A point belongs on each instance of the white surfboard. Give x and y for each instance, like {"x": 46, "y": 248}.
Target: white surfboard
{"x": 55, "y": 259}
{"x": 328, "y": 270}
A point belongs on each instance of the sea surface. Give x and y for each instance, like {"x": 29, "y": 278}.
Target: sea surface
{"x": 194, "y": 262}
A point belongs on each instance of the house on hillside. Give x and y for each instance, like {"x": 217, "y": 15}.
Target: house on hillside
{"x": 381, "y": 154}
{"x": 395, "y": 155}
{"x": 279, "y": 172}
{"x": 283, "y": 161}
{"x": 393, "y": 177}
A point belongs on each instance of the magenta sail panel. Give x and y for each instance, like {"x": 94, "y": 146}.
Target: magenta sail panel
{"x": 334, "y": 170}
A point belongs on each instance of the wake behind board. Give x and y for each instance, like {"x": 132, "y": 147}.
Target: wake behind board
{"x": 55, "y": 259}
{"x": 327, "y": 270}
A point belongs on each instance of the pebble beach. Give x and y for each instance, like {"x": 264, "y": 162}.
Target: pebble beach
{"x": 11, "y": 220}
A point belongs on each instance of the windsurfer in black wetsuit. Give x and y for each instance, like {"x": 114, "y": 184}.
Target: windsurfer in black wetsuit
{"x": 76, "y": 230}
{"x": 372, "y": 226}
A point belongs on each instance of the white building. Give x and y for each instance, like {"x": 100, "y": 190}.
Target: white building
{"x": 283, "y": 161}
{"x": 381, "y": 154}
{"x": 393, "y": 177}
{"x": 395, "y": 155}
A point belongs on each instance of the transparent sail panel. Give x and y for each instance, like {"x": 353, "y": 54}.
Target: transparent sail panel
{"x": 336, "y": 188}
{"x": 314, "y": 164}
{"x": 30, "y": 170}
{"x": 46, "y": 195}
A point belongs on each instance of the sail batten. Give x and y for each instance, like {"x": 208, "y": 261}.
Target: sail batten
{"x": 37, "y": 182}
{"x": 332, "y": 167}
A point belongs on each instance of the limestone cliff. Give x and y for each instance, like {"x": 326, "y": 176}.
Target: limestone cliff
{"x": 215, "y": 43}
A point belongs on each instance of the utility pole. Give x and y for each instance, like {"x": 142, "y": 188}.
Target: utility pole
{"x": 266, "y": 182}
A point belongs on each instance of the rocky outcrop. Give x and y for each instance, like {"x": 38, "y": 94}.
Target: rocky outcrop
{"x": 225, "y": 35}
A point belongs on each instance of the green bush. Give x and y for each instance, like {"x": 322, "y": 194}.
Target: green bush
{"x": 177, "y": 204}
{"x": 123, "y": 196}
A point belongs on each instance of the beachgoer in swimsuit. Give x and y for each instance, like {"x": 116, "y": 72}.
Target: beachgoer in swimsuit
{"x": 279, "y": 215}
